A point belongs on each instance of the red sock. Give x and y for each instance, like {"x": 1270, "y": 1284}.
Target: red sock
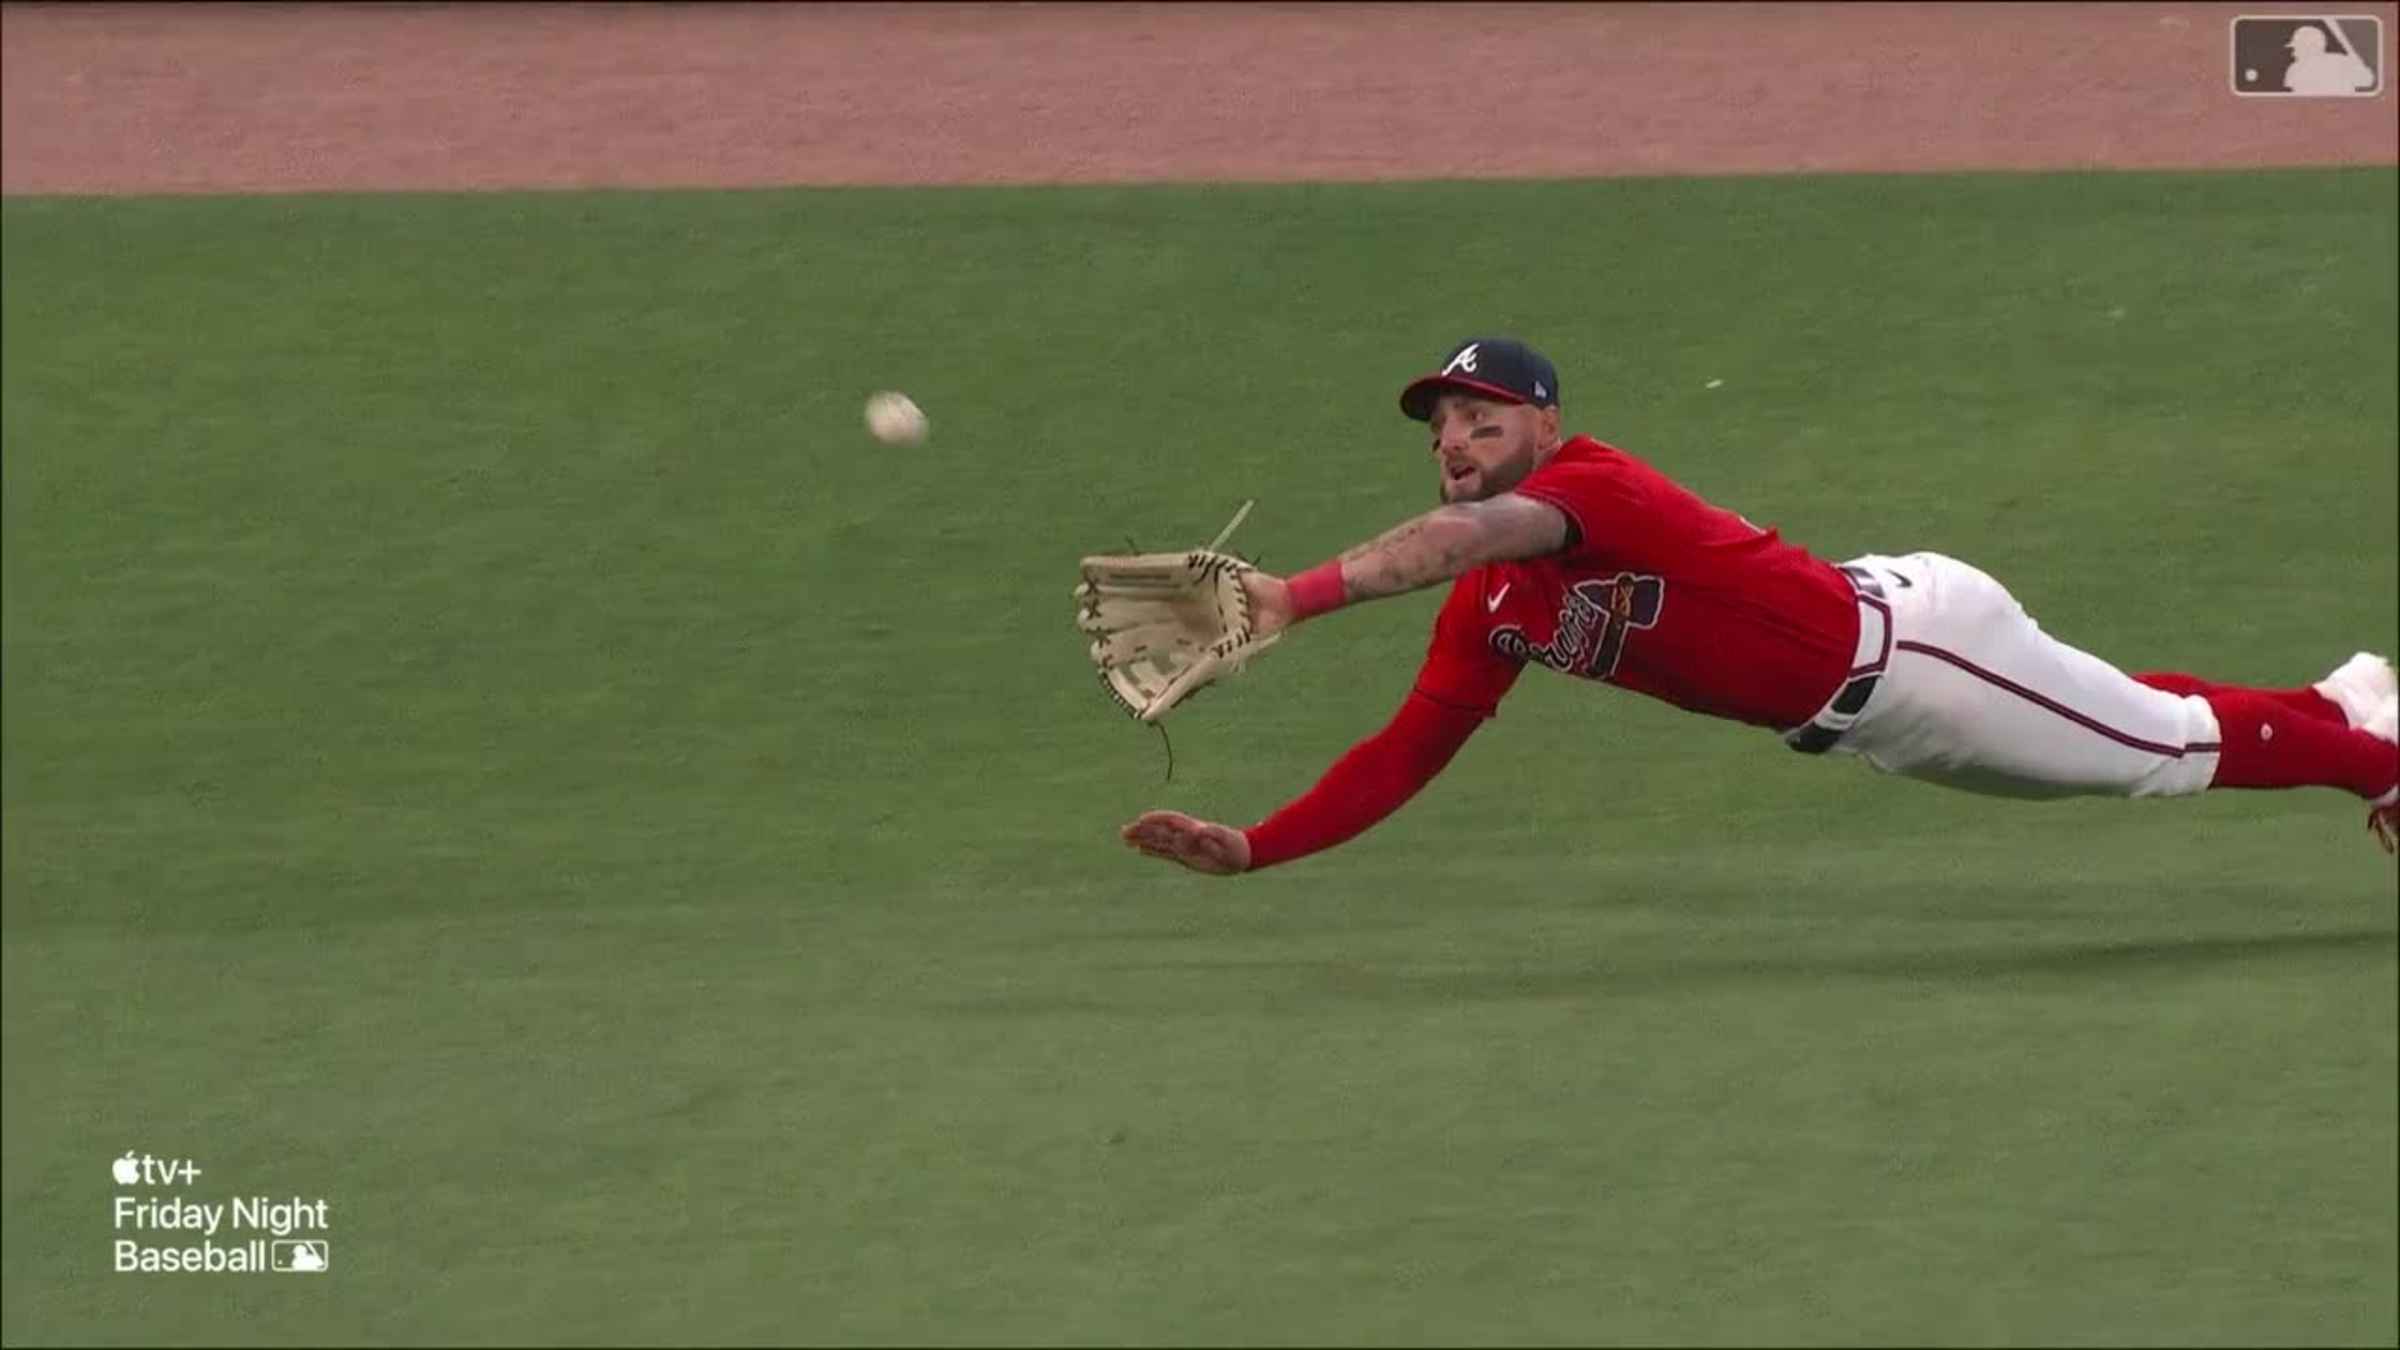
{"x": 2305, "y": 700}
{"x": 2268, "y": 745}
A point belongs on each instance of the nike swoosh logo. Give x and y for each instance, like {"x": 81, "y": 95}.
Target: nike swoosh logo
{"x": 1491, "y": 604}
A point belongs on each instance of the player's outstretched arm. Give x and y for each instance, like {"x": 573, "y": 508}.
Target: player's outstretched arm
{"x": 1435, "y": 547}
{"x": 1363, "y": 787}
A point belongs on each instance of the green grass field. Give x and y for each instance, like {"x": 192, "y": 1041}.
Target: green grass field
{"x": 491, "y": 743}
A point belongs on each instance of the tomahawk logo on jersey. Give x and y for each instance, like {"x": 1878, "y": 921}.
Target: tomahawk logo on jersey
{"x": 1589, "y": 632}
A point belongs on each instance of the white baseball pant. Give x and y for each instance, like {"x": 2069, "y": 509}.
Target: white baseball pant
{"x": 1974, "y": 695}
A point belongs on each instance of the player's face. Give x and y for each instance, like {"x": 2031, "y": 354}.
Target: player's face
{"x": 1482, "y": 447}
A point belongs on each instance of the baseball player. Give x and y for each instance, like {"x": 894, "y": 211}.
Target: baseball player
{"x": 1570, "y": 554}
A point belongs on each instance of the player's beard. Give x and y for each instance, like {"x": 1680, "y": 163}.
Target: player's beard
{"x": 1487, "y": 483}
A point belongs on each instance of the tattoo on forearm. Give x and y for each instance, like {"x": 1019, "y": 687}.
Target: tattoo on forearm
{"x": 1433, "y": 547}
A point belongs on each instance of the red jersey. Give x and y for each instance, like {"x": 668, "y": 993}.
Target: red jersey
{"x": 1660, "y": 593}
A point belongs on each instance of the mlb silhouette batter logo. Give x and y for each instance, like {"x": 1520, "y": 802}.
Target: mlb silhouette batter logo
{"x": 2308, "y": 55}
{"x": 311, "y": 1256}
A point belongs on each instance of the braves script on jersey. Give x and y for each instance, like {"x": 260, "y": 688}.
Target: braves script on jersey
{"x": 1661, "y": 593}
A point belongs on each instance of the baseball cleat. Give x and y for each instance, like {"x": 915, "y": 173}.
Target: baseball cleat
{"x": 2359, "y": 687}
{"x": 2383, "y": 814}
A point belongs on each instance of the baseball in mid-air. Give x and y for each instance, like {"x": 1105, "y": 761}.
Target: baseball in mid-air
{"x": 895, "y": 419}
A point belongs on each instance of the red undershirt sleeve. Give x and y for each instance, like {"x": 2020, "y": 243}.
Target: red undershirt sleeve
{"x": 1376, "y": 777}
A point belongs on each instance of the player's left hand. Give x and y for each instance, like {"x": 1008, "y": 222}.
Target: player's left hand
{"x": 1201, "y": 845}
{"x": 1270, "y": 602}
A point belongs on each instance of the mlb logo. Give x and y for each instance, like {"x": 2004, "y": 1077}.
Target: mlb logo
{"x": 311, "y": 1256}
{"x": 2308, "y": 56}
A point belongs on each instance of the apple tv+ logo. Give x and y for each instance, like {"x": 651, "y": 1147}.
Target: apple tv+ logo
{"x": 143, "y": 1170}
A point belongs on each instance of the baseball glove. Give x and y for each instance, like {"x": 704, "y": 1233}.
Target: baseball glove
{"x": 1164, "y": 626}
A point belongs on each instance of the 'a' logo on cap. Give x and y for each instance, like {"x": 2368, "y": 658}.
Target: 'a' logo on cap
{"x": 1465, "y": 360}
{"x": 1539, "y": 391}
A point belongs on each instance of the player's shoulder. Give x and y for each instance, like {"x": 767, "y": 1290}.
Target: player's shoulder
{"x": 1586, "y": 457}
{"x": 1585, "y": 477}
{"x": 1584, "y": 449}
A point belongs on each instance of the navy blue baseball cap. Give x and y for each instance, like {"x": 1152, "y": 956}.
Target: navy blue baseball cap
{"x": 1496, "y": 367}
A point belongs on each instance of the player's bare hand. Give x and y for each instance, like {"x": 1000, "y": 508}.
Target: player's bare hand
{"x": 1201, "y": 845}
{"x": 1270, "y": 602}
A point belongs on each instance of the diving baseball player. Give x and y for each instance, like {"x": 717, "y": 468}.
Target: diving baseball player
{"x": 1569, "y": 554}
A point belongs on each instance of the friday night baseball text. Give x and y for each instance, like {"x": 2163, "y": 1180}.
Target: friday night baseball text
{"x": 259, "y": 1213}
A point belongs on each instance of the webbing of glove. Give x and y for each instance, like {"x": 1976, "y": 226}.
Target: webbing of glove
{"x": 1165, "y": 626}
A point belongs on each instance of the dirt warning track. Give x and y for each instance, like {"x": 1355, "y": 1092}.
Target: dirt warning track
{"x": 261, "y": 98}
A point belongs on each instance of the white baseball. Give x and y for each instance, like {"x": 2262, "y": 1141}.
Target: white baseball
{"x": 895, "y": 419}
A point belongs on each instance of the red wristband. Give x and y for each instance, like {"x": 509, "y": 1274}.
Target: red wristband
{"x": 1317, "y": 590}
